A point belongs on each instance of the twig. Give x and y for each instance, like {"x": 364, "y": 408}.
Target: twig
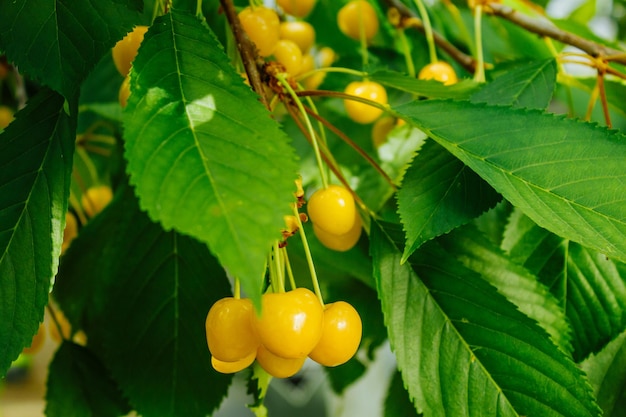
{"x": 249, "y": 57}
{"x": 544, "y": 27}
{"x": 409, "y": 18}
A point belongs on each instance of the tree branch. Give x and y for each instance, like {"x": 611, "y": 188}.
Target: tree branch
{"x": 411, "y": 20}
{"x": 251, "y": 60}
{"x": 544, "y": 27}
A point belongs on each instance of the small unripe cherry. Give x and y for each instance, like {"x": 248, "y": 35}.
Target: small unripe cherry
{"x": 6, "y": 116}
{"x": 362, "y": 112}
{"x": 358, "y": 16}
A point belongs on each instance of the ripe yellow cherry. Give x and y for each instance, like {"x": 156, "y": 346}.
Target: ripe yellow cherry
{"x": 289, "y": 55}
{"x": 124, "y": 92}
{"x": 232, "y": 367}
{"x": 291, "y": 323}
{"x": 95, "y": 199}
{"x": 278, "y": 366}
{"x": 362, "y": 112}
{"x": 341, "y": 335}
{"x": 229, "y": 332}
{"x": 332, "y": 209}
{"x": 262, "y": 26}
{"x": 439, "y": 71}
{"x": 340, "y": 243}
{"x": 6, "y": 116}
{"x": 297, "y": 8}
{"x": 70, "y": 232}
{"x": 125, "y": 50}
{"x": 302, "y": 33}
{"x": 356, "y": 17}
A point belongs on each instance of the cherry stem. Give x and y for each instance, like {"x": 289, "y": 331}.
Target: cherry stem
{"x": 247, "y": 50}
{"x": 343, "y": 70}
{"x": 479, "y": 74}
{"x": 332, "y": 165}
{"x": 460, "y": 24}
{"x": 292, "y": 281}
{"x": 428, "y": 30}
{"x": 592, "y": 102}
{"x": 237, "y": 290}
{"x": 406, "y": 51}
{"x": 309, "y": 127}
{"x": 322, "y": 131}
{"x": 56, "y": 321}
{"x": 603, "y": 100}
{"x": 309, "y": 257}
{"x": 356, "y": 147}
{"x": 278, "y": 267}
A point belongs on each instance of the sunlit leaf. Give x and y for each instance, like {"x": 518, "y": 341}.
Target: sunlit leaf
{"x": 203, "y": 153}
{"x": 35, "y": 167}
{"x": 465, "y": 350}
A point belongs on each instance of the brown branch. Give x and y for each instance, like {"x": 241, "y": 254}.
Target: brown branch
{"x": 459, "y": 56}
{"x": 251, "y": 60}
{"x": 544, "y": 27}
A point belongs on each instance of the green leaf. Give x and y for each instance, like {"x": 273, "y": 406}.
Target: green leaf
{"x": 397, "y": 402}
{"x": 426, "y": 88}
{"x": 463, "y": 349}
{"x": 515, "y": 282}
{"x": 79, "y": 386}
{"x": 58, "y": 42}
{"x": 439, "y": 193}
{"x": 530, "y": 85}
{"x": 564, "y": 174}
{"x": 590, "y": 287}
{"x": 154, "y": 310}
{"x": 35, "y": 168}
{"x": 607, "y": 374}
{"x": 203, "y": 153}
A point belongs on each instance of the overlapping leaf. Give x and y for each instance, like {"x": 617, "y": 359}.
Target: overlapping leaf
{"x": 463, "y": 349}
{"x": 71, "y": 37}
{"x": 438, "y": 194}
{"x": 35, "y": 166}
{"x": 79, "y": 386}
{"x": 204, "y": 154}
{"x": 566, "y": 175}
{"x": 590, "y": 286}
{"x": 152, "y": 317}
{"x": 530, "y": 85}
{"x": 520, "y": 286}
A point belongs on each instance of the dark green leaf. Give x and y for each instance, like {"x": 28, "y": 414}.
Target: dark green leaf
{"x": 154, "y": 338}
{"x": 607, "y": 375}
{"x": 69, "y": 39}
{"x": 342, "y": 376}
{"x": 512, "y": 280}
{"x": 204, "y": 154}
{"x": 530, "y": 85}
{"x": 439, "y": 193}
{"x": 35, "y": 166}
{"x": 463, "y": 349}
{"x": 398, "y": 403}
{"x": 564, "y": 174}
{"x": 590, "y": 287}
{"x": 79, "y": 386}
